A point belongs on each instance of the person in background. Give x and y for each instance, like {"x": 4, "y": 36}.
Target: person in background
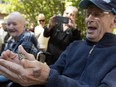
{"x": 38, "y": 31}
{"x": 61, "y": 34}
{"x": 31, "y": 28}
{"x": 19, "y": 36}
{"x": 3, "y": 34}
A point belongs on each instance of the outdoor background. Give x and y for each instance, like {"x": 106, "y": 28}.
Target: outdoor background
{"x": 31, "y": 9}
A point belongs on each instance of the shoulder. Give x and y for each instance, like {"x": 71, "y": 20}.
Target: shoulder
{"x": 28, "y": 38}
{"x": 36, "y": 27}
{"x": 27, "y": 35}
{"x": 77, "y": 29}
{"x": 77, "y": 43}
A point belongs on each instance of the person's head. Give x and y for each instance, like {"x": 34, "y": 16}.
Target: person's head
{"x": 15, "y": 24}
{"x": 100, "y": 17}
{"x": 70, "y": 12}
{"x": 41, "y": 19}
{"x": 2, "y": 25}
{"x": 32, "y": 25}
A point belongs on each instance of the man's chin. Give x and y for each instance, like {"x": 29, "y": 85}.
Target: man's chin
{"x": 90, "y": 37}
{"x": 13, "y": 35}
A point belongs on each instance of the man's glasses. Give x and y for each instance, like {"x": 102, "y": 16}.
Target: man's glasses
{"x": 41, "y": 20}
{"x": 96, "y": 14}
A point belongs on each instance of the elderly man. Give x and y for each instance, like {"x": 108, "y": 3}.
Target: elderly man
{"x": 19, "y": 36}
{"x": 89, "y": 63}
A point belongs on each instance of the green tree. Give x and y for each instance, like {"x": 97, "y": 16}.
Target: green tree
{"x": 31, "y": 9}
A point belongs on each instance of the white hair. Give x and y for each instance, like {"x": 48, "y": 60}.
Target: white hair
{"x": 72, "y": 8}
{"x": 18, "y": 16}
{"x": 41, "y": 15}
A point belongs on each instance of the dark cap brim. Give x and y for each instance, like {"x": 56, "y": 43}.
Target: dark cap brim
{"x": 103, "y": 5}
{"x": 84, "y": 4}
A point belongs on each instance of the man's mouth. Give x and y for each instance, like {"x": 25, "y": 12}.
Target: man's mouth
{"x": 91, "y": 29}
{"x": 12, "y": 31}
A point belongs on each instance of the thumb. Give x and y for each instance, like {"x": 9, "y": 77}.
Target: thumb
{"x": 27, "y": 55}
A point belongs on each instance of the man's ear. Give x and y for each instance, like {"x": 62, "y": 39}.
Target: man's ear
{"x": 114, "y": 24}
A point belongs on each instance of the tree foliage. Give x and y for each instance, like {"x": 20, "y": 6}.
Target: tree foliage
{"x": 31, "y": 9}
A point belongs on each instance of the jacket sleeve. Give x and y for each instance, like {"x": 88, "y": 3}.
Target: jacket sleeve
{"x": 110, "y": 79}
{"x": 76, "y": 34}
{"x": 47, "y": 32}
{"x": 50, "y": 32}
{"x": 56, "y": 77}
{"x": 30, "y": 44}
{"x": 57, "y": 80}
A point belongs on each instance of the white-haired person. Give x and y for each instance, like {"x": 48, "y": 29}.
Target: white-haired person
{"x": 19, "y": 36}
{"x": 61, "y": 33}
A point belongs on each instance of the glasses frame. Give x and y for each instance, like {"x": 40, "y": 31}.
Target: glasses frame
{"x": 41, "y": 20}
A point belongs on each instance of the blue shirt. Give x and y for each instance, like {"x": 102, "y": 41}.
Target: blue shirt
{"x": 27, "y": 40}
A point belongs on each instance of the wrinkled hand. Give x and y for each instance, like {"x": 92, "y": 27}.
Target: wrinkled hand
{"x": 13, "y": 57}
{"x": 10, "y": 56}
{"x": 71, "y": 24}
{"x": 28, "y": 72}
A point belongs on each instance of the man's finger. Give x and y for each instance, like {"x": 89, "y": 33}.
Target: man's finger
{"x": 16, "y": 68}
{"x": 7, "y": 73}
{"x": 6, "y": 54}
{"x": 29, "y": 64}
{"x": 26, "y": 54}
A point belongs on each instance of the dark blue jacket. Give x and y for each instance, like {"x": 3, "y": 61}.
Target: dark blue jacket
{"x": 86, "y": 64}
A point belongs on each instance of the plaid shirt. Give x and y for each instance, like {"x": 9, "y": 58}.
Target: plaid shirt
{"x": 27, "y": 40}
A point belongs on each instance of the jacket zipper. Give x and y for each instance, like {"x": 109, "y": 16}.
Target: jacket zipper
{"x": 91, "y": 50}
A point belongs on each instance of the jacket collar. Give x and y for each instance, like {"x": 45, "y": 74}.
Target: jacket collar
{"x": 108, "y": 39}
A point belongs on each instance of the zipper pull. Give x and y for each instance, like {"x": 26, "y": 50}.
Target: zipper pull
{"x": 91, "y": 49}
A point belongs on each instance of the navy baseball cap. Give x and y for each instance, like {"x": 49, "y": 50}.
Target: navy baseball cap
{"x": 105, "y": 5}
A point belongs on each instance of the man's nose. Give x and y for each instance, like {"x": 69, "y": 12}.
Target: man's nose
{"x": 11, "y": 25}
{"x": 89, "y": 18}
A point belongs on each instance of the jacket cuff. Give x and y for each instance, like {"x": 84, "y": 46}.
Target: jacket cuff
{"x": 52, "y": 79}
